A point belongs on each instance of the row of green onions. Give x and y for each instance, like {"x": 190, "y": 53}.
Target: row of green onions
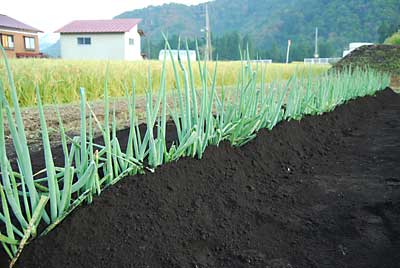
{"x": 202, "y": 117}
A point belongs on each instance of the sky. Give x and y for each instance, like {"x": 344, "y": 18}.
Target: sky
{"x": 50, "y": 15}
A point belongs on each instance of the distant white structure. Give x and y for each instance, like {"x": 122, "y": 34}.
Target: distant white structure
{"x": 321, "y": 60}
{"x": 182, "y": 54}
{"x": 267, "y": 61}
{"x": 116, "y": 39}
{"x": 353, "y": 46}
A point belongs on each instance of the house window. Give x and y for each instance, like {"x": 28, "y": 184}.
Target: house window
{"x": 29, "y": 43}
{"x": 7, "y": 41}
{"x": 84, "y": 40}
{"x": 131, "y": 41}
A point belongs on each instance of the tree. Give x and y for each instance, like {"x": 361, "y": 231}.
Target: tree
{"x": 227, "y": 46}
{"x": 385, "y": 30}
{"x": 394, "y": 39}
{"x": 277, "y": 54}
{"x": 247, "y": 44}
{"x": 326, "y": 49}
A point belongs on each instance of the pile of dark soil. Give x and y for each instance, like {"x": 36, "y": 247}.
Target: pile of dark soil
{"x": 320, "y": 192}
{"x": 384, "y": 58}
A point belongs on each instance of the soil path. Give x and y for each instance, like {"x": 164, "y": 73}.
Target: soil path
{"x": 320, "y": 192}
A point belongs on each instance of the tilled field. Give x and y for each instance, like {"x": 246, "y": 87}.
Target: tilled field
{"x": 320, "y": 192}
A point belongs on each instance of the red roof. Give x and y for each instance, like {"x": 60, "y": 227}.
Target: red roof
{"x": 99, "y": 26}
{"x": 7, "y": 22}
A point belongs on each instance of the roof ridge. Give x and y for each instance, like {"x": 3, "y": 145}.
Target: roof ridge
{"x": 9, "y": 22}
{"x": 100, "y": 26}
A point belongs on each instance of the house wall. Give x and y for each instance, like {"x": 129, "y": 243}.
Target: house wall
{"x": 19, "y": 43}
{"x": 133, "y": 52}
{"x": 104, "y": 46}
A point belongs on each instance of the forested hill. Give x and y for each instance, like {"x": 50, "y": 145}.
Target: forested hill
{"x": 268, "y": 24}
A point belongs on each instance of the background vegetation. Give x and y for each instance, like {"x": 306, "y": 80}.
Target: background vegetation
{"x": 268, "y": 24}
{"x": 394, "y": 39}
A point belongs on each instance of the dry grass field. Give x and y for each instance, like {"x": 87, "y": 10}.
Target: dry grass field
{"x": 59, "y": 80}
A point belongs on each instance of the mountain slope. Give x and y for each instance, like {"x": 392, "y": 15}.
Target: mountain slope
{"x": 54, "y": 50}
{"x": 270, "y": 22}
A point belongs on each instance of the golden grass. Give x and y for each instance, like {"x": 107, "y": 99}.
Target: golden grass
{"x": 59, "y": 80}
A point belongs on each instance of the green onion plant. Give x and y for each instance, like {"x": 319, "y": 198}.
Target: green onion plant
{"x": 201, "y": 117}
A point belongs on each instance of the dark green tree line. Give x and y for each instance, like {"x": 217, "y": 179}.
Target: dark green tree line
{"x": 229, "y": 45}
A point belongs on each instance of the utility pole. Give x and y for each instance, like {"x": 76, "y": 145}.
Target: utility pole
{"x": 316, "y": 44}
{"x": 287, "y": 51}
{"x": 208, "y": 51}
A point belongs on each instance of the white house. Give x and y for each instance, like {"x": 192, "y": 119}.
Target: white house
{"x": 116, "y": 39}
{"x": 182, "y": 54}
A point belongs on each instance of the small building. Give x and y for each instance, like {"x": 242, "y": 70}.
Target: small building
{"x": 182, "y": 54}
{"x": 18, "y": 39}
{"x": 116, "y": 39}
{"x": 353, "y": 46}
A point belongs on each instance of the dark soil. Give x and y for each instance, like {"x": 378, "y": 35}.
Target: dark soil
{"x": 320, "y": 192}
{"x": 380, "y": 57}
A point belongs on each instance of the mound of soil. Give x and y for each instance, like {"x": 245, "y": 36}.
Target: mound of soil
{"x": 320, "y": 192}
{"x": 384, "y": 58}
